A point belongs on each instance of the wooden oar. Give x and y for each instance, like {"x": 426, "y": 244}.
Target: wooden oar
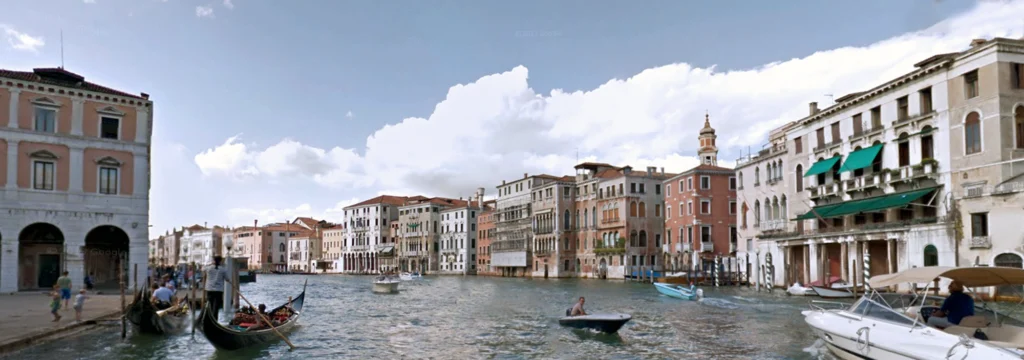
{"x": 264, "y": 318}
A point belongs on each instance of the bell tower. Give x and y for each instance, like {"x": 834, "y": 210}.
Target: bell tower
{"x": 708, "y": 151}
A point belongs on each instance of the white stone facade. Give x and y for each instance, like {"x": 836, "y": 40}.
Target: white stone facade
{"x": 458, "y": 241}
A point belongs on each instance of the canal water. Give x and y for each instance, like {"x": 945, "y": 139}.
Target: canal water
{"x": 488, "y": 318}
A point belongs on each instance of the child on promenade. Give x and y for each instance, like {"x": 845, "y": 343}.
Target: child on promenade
{"x": 79, "y": 301}
{"x": 55, "y": 303}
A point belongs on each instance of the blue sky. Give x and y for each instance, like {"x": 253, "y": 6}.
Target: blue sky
{"x": 273, "y": 109}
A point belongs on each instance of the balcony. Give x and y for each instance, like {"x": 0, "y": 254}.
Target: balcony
{"x": 1008, "y": 188}
{"x": 707, "y": 246}
{"x": 858, "y": 229}
{"x": 769, "y": 225}
{"x": 981, "y": 242}
{"x": 679, "y": 247}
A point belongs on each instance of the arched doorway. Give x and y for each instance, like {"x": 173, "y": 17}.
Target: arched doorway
{"x": 105, "y": 254}
{"x": 602, "y": 269}
{"x": 40, "y": 256}
{"x": 1009, "y": 260}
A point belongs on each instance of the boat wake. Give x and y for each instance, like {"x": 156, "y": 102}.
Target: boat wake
{"x": 720, "y": 303}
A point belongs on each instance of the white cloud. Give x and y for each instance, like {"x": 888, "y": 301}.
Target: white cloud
{"x": 22, "y": 41}
{"x": 228, "y": 4}
{"x": 350, "y": 115}
{"x": 245, "y": 216}
{"x": 498, "y": 127}
{"x": 204, "y": 11}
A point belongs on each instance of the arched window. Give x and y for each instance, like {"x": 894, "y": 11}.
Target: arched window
{"x": 282, "y": 248}
{"x": 767, "y": 210}
{"x": 578, "y": 217}
{"x": 739, "y": 176}
{"x": 931, "y": 256}
{"x": 972, "y": 133}
{"x": 643, "y": 239}
{"x": 784, "y": 213}
{"x": 779, "y": 169}
{"x": 799, "y": 176}
{"x": 586, "y": 217}
{"x": 1008, "y": 260}
{"x": 743, "y": 214}
{"x": 565, "y": 220}
{"x": 904, "y": 150}
{"x": 632, "y": 208}
{"x": 593, "y": 215}
{"x": 633, "y": 239}
{"x": 642, "y": 209}
{"x": 757, "y": 176}
{"x": 1018, "y": 126}
{"x": 757, "y": 212}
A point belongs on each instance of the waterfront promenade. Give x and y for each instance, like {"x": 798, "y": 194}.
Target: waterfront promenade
{"x": 27, "y": 317}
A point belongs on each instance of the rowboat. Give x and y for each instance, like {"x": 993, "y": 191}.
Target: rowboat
{"x": 679, "y": 292}
{"x": 230, "y": 337}
{"x": 146, "y": 318}
{"x": 607, "y": 323}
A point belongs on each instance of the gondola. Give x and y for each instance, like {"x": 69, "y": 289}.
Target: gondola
{"x": 227, "y": 337}
{"x": 146, "y": 318}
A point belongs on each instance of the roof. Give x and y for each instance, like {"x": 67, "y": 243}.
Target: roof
{"x": 700, "y": 169}
{"x": 64, "y": 78}
{"x": 307, "y": 221}
{"x": 978, "y": 276}
{"x": 387, "y": 200}
{"x": 196, "y": 227}
{"x": 591, "y": 165}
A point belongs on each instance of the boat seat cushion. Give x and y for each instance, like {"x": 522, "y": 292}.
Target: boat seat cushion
{"x": 974, "y": 321}
{"x": 1004, "y": 336}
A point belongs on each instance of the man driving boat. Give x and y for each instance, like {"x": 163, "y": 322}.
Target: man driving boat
{"x": 577, "y": 309}
{"x": 956, "y": 307}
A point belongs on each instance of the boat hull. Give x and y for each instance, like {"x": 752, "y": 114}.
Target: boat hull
{"x": 676, "y": 291}
{"x": 147, "y": 319}
{"x": 385, "y": 287}
{"x": 607, "y": 323}
{"x": 797, "y": 290}
{"x": 225, "y": 338}
{"x": 827, "y": 293}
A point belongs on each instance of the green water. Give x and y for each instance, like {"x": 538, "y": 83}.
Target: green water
{"x": 487, "y": 318}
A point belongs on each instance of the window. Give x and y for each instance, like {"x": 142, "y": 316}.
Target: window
{"x": 926, "y": 100}
{"x": 643, "y": 190}
{"x": 902, "y": 108}
{"x": 1018, "y": 126}
{"x": 108, "y": 180}
{"x": 46, "y": 120}
{"x": 43, "y": 175}
{"x": 1017, "y": 71}
{"x": 836, "y": 138}
{"x": 705, "y": 234}
{"x": 732, "y": 183}
{"x": 927, "y": 146}
{"x": 689, "y": 207}
{"x": 733, "y": 235}
{"x": 821, "y": 138}
{"x": 858, "y": 125}
{"x": 668, "y": 211}
{"x": 931, "y": 256}
{"x": 705, "y": 206}
{"x": 281, "y": 247}
{"x": 972, "y": 133}
{"x": 705, "y": 182}
{"x": 904, "y": 150}
{"x": 689, "y": 184}
{"x": 110, "y": 128}
{"x": 979, "y": 224}
{"x": 657, "y": 210}
{"x": 657, "y": 189}
{"x": 632, "y": 188}
{"x": 798, "y": 144}
{"x": 732, "y": 207}
{"x": 799, "y": 178}
{"x": 668, "y": 190}
{"x": 971, "y": 84}
{"x": 876, "y": 118}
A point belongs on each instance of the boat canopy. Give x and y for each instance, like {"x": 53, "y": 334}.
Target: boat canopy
{"x": 979, "y": 276}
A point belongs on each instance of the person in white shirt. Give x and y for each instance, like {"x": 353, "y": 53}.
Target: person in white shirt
{"x": 214, "y": 284}
{"x": 163, "y": 296}
{"x": 79, "y": 302}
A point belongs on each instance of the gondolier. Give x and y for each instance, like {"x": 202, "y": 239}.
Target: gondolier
{"x": 214, "y": 285}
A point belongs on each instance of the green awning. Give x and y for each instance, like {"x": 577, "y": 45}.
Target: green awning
{"x": 877, "y": 203}
{"x": 861, "y": 158}
{"x": 822, "y": 167}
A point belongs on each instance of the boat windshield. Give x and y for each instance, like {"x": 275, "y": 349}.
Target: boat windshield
{"x": 868, "y": 307}
{"x": 903, "y": 301}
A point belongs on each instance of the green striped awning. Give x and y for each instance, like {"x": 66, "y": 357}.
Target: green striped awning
{"x": 876, "y": 203}
{"x": 822, "y": 166}
{"x": 861, "y": 158}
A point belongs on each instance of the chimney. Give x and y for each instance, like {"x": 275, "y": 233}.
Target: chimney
{"x": 977, "y": 42}
{"x": 526, "y": 175}
{"x": 814, "y": 108}
{"x": 144, "y": 95}
{"x": 663, "y": 171}
{"x": 204, "y": 224}
{"x": 480, "y": 197}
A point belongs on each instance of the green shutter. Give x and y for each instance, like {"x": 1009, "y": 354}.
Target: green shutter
{"x": 861, "y": 158}
{"x": 822, "y": 167}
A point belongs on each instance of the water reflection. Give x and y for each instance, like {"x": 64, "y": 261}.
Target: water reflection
{"x": 490, "y": 318}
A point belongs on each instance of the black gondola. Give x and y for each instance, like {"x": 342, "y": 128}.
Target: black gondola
{"x": 146, "y": 318}
{"x": 228, "y": 338}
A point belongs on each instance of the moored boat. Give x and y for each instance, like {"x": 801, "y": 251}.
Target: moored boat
{"x": 146, "y": 318}
{"x": 800, "y": 290}
{"x": 409, "y": 276}
{"x": 679, "y": 292}
{"x": 834, "y": 292}
{"x": 232, "y": 337}
{"x": 607, "y": 323}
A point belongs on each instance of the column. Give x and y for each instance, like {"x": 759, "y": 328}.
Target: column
{"x": 77, "y": 164}
{"x": 12, "y": 114}
{"x": 888, "y": 256}
{"x": 844, "y": 254}
{"x": 813, "y": 266}
{"x": 806, "y": 270}
{"x": 77, "y": 107}
{"x": 9, "y": 258}
{"x": 12, "y": 164}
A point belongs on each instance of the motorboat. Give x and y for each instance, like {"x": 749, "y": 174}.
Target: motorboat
{"x": 410, "y": 276}
{"x": 877, "y": 327}
{"x": 606, "y": 323}
{"x": 679, "y": 292}
{"x": 385, "y": 285}
{"x": 836, "y": 291}
{"x": 799, "y": 290}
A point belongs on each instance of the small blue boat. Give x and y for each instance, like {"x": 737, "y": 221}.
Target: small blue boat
{"x": 679, "y": 292}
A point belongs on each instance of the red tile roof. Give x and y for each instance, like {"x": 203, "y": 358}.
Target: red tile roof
{"x": 388, "y": 200}
{"x": 308, "y": 221}
{"x": 64, "y": 78}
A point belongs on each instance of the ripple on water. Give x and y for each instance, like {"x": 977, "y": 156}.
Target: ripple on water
{"x": 489, "y": 318}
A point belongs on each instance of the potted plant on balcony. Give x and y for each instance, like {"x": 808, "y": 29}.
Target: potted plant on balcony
{"x": 894, "y": 174}
{"x": 930, "y": 165}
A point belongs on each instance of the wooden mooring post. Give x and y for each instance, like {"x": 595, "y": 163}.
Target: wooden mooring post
{"x": 124, "y": 317}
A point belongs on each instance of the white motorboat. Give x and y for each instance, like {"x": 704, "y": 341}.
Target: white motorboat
{"x": 876, "y": 328}
{"x": 836, "y": 291}
{"x": 410, "y": 276}
{"x": 800, "y": 290}
{"x": 385, "y": 285}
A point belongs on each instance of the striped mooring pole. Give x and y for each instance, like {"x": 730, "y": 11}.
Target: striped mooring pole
{"x": 771, "y": 272}
{"x": 867, "y": 268}
{"x": 717, "y": 270}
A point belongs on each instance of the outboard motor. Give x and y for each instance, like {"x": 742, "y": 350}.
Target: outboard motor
{"x": 568, "y": 312}
{"x": 700, "y": 293}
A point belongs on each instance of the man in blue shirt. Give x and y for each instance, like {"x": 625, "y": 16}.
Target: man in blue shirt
{"x": 163, "y": 296}
{"x": 956, "y": 307}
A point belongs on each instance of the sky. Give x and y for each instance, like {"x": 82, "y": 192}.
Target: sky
{"x": 270, "y": 109}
